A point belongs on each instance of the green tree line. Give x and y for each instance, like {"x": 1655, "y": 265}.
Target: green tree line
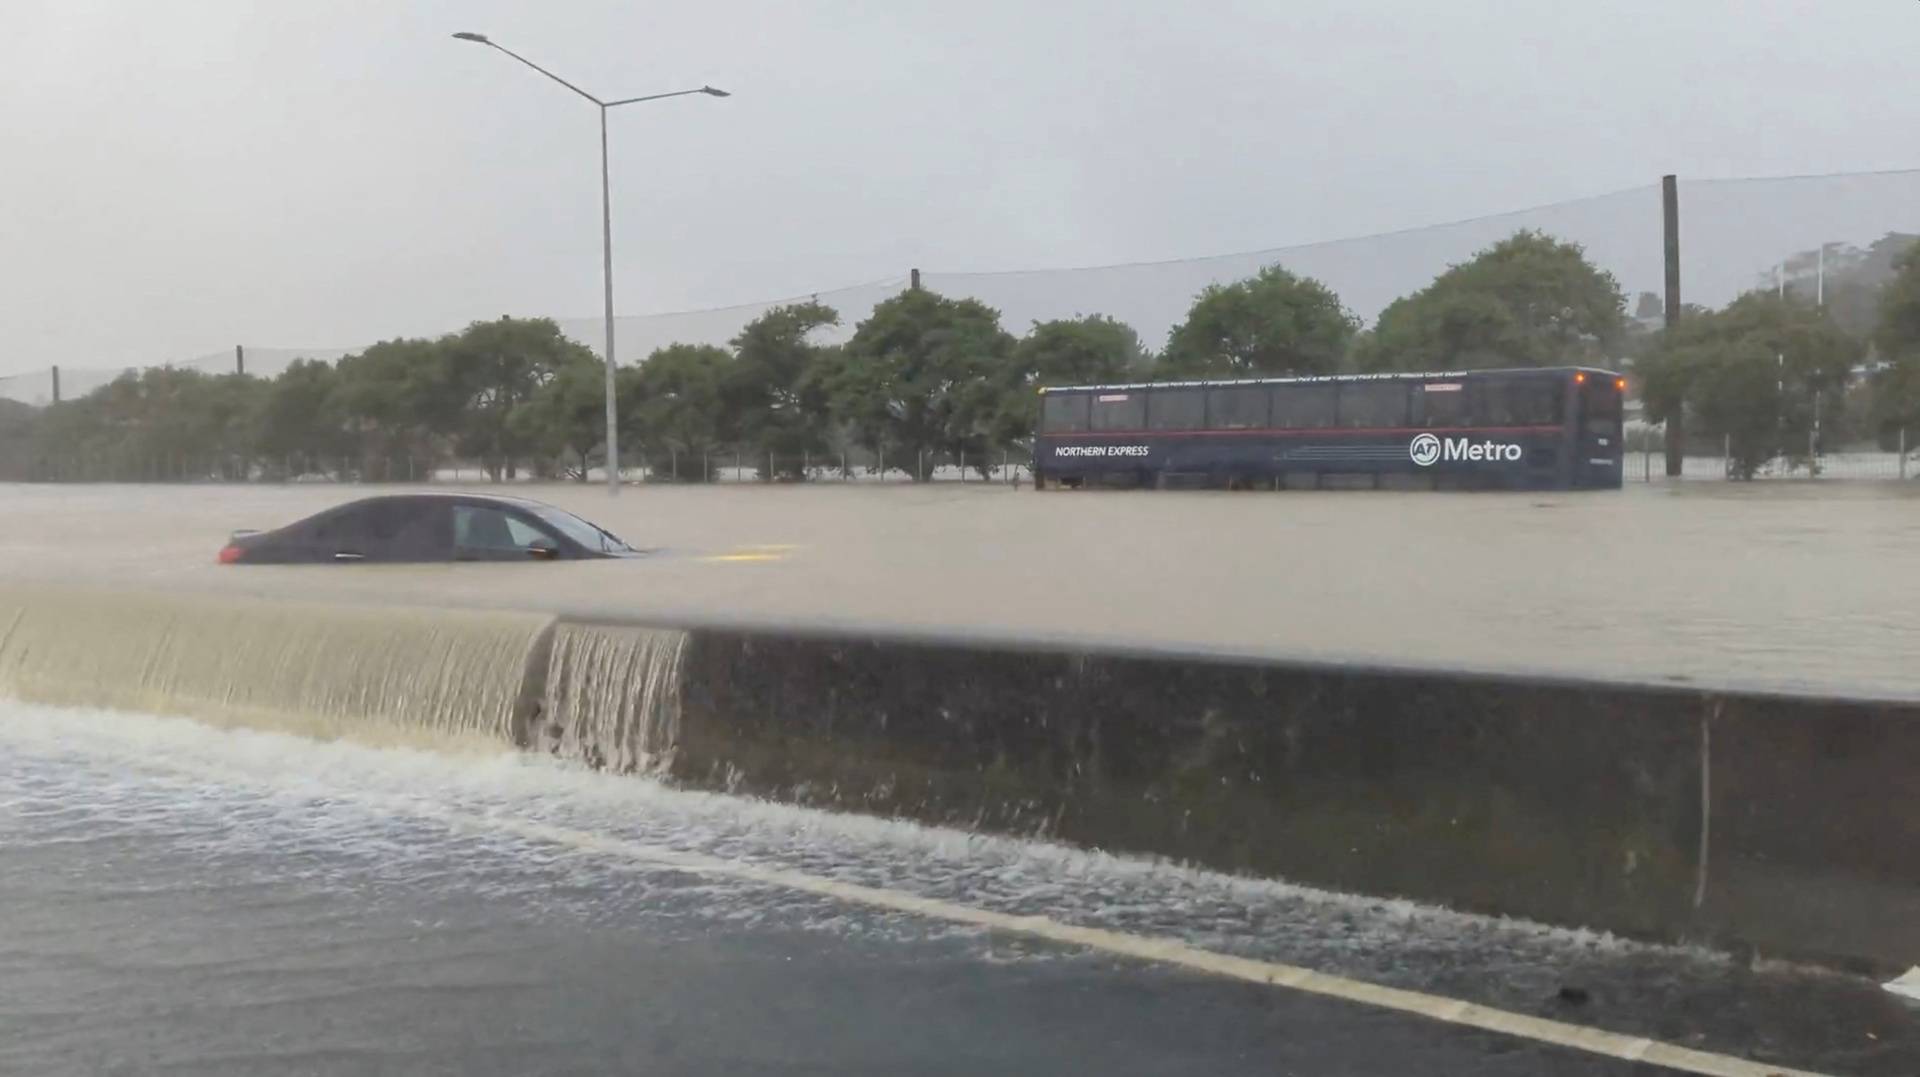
{"x": 927, "y": 376}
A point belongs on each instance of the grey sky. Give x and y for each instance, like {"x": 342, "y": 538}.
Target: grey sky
{"x": 180, "y": 177}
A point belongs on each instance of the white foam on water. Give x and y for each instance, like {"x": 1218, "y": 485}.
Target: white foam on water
{"x": 279, "y": 773}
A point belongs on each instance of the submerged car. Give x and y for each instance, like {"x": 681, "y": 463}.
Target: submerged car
{"x": 430, "y": 527}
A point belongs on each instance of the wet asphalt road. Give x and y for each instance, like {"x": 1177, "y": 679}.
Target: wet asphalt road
{"x": 242, "y": 972}
{"x": 177, "y": 923}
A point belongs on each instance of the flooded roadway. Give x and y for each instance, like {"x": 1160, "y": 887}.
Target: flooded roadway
{"x": 181, "y": 899}
{"x": 1788, "y": 585}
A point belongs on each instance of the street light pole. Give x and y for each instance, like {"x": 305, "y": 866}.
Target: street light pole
{"x": 606, "y": 231}
{"x": 606, "y": 266}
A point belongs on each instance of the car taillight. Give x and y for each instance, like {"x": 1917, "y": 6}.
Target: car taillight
{"x": 232, "y": 552}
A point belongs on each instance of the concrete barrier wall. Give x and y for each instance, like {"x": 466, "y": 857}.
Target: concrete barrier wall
{"x": 1731, "y": 818}
{"x": 1572, "y": 803}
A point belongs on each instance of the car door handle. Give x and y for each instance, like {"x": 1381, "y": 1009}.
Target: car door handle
{"x": 348, "y": 555}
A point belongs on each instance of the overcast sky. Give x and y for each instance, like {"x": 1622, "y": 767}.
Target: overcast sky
{"x": 181, "y": 176}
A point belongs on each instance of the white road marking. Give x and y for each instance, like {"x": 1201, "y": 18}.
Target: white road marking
{"x": 1141, "y": 947}
{"x": 1146, "y": 948}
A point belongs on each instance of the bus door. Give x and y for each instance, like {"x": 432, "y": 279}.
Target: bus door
{"x": 1597, "y": 434}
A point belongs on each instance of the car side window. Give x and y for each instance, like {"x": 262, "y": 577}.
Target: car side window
{"x": 346, "y": 527}
{"x": 480, "y": 527}
{"x": 384, "y": 527}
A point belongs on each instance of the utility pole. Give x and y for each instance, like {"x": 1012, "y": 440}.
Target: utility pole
{"x": 239, "y": 359}
{"x": 1670, "y": 214}
{"x": 56, "y": 383}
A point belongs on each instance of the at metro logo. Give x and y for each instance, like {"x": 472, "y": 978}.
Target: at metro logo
{"x": 1426, "y": 450}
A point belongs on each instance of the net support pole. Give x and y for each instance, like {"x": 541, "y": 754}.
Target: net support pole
{"x": 1670, "y": 217}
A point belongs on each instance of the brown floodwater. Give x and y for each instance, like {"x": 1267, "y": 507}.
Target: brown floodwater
{"x": 1788, "y": 585}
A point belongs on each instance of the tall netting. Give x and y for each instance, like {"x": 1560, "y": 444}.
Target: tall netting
{"x": 1734, "y": 233}
{"x": 1833, "y": 239}
{"x": 37, "y": 387}
{"x": 636, "y": 336}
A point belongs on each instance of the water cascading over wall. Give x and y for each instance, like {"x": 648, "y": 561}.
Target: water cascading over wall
{"x": 1661, "y": 811}
{"x": 609, "y": 696}
{"x": 392, "y": 675}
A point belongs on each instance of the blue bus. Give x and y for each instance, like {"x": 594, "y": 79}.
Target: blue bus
{"x": 1535, "y": 428}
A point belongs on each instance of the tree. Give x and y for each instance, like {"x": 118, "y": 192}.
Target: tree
{"x": 493, "y": 367}
{"x": 19, "y": 432}
{"x": 1069, "y": 351}
{"x": 1847, "y": 280}
{"x": 678, "y": 403}
{"x": 1754, "y": 373}
{"x": 1271, "y": 323}
{"x": 922, "y": 373}
{"x": 299, "y": 415}
{"x": 1529, "y": 300}
{"x": 1896, "y": 395}
{"x": 1897, "y": 328}
{"x": 396, "y": 398}
{"x": 1079, "y": 351}
{"x": 566, "y": 418}
{"x": 772, "y": 404}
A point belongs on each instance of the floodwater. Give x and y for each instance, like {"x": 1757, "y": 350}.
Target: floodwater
{"x": 1799, "y": 586}
{"x": 185, "y": 899}
{"x": 181, "y": 897}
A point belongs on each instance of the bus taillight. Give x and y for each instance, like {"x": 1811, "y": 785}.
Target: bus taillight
{"x": 1579, "y": 377}
{"x": 1620, "y": 384}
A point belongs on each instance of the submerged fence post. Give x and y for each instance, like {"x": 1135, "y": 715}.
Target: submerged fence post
{"x": 1726, "y": 454}
{"x": 845, "y": 475}
{"x": 1903, "y": 452}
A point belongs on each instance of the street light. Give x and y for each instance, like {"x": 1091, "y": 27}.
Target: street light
{"x": 606, "y": 227}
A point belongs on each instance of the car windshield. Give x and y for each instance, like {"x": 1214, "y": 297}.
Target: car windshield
{"x": 592, "y": 536}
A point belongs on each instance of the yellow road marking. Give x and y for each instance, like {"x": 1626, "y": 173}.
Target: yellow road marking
{"x": 746, "y": 557}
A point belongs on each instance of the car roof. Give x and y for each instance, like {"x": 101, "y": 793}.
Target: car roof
{"x": 454, "y": 495}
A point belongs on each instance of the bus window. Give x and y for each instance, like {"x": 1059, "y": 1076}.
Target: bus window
{"x": 1303, "y": 407}
{"x": 1600, "y": 403}
{"x": 1373, "y": 404}
{"x": 1120, "y": 411}
{"x": 1063, "y": 413}
{"x": 1177, "y": 409}
{"x": 1444, "y": 404}
{"x": 1237, "y": 407}
{"x": 1521, "y": 401}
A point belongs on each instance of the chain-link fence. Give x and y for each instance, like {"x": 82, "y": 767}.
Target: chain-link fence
{"x": 1644, "y": 460}
{"x": 718, "y": 466}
